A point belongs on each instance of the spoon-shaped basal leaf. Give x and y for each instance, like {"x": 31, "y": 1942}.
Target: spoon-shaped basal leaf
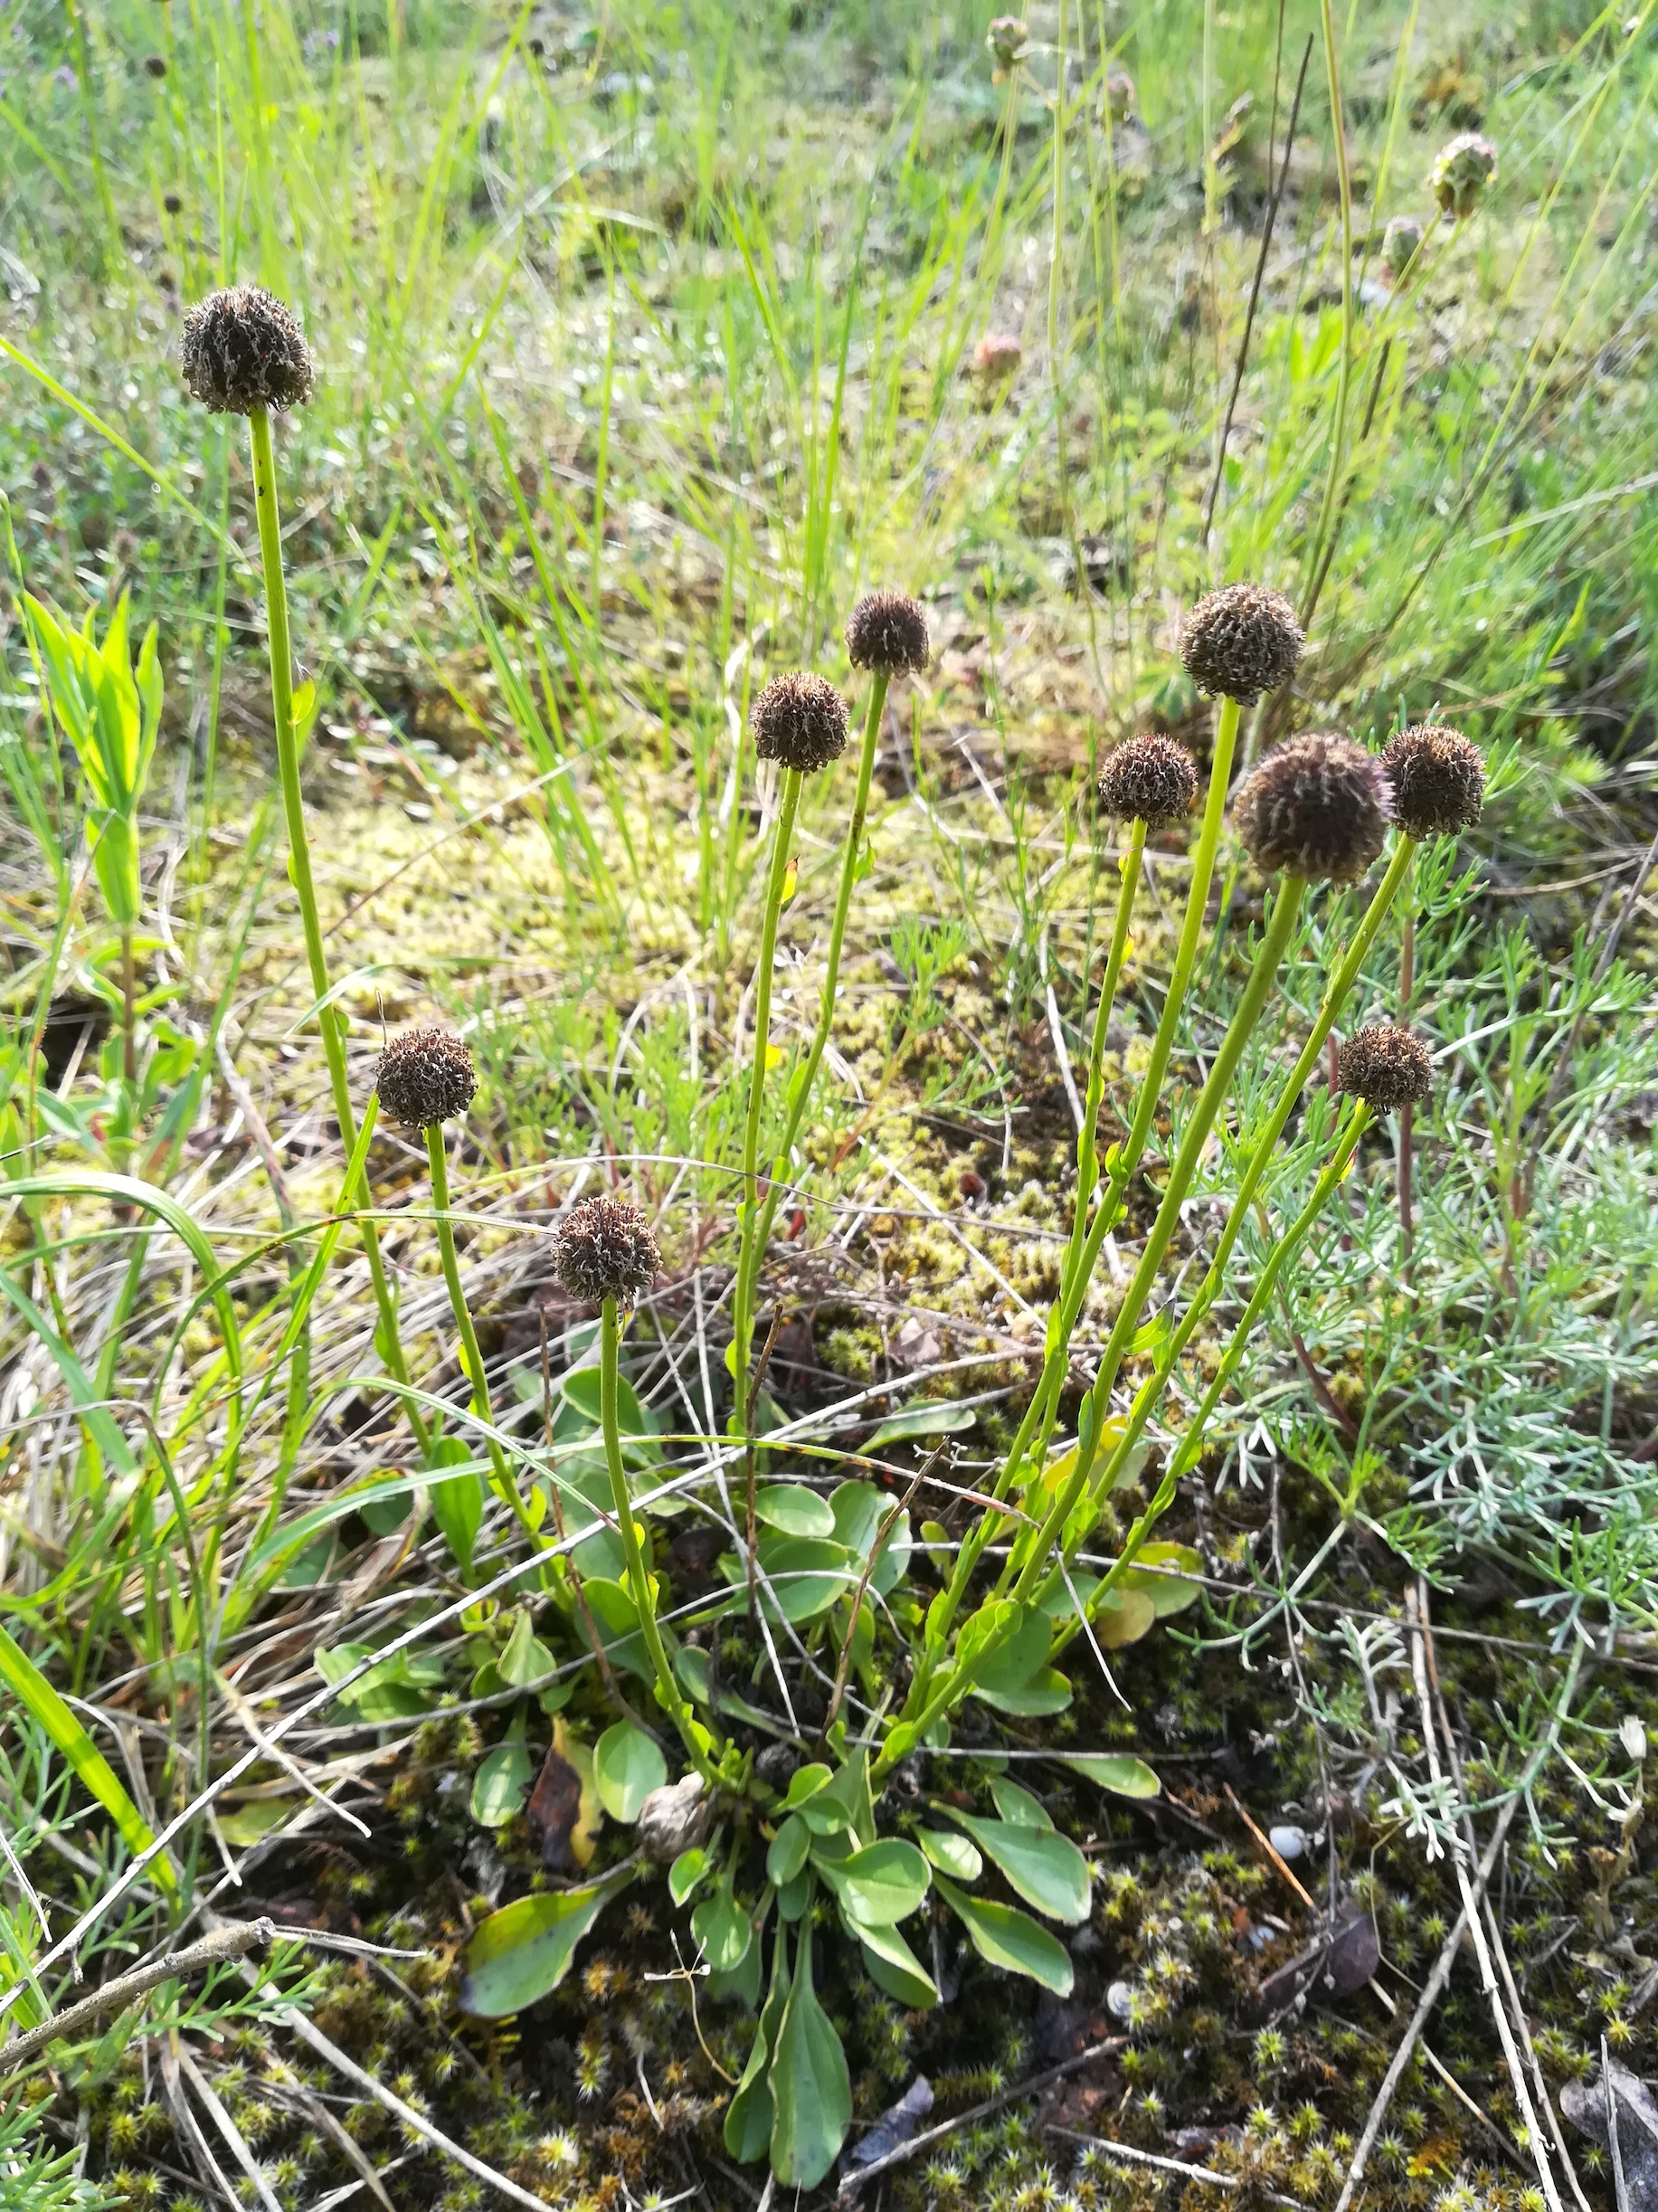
{"x": 1046, "y": 1869}
{"x": 1006, "y": 1937}
{"x": 811, "y": 2091}
{"x": 748, "y": 2117}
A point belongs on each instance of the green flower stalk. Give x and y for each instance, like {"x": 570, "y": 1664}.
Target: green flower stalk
{"x": 605, "y": 1254}
{"x": 1238, "y": 643}
{"x": 1316, "y": 810}
{"x": 1386, "y": 1068}
{"x": 800, "y": 722}
{"x": 1436, "y": 782}
{"x": 243, "y": 353}
{"x": 426, "y": 1077}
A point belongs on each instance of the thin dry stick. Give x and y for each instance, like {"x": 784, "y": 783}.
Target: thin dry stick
{"x": 1537, "y": 2140}
{"x": 232, "y": 1942}
{"x": 1431, "y": 1990}
{"x": 852, "y": 2182}
{"x": 1620, "y": 2187}
{"x": 1493, "y": 1932}
{"x": 1277, "y": 1859}
{"x": 416, "y": 2122}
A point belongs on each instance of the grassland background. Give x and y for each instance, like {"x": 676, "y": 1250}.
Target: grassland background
{"x": 645, "y": 342}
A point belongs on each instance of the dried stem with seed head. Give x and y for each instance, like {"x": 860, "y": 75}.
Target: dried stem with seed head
{"x": 243, "y": 353}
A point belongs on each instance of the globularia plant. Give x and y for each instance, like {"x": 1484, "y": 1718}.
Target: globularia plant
{"x": 243, "y": 353}
{"x": 836, "y": 1816}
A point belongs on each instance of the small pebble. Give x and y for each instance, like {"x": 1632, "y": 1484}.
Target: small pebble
{"x": 1289, "y": 1843}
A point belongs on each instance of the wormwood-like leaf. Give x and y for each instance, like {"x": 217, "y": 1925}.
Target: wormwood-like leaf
{"x": 27, "y": 1683}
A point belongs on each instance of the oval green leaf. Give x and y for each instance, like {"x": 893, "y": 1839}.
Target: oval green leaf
{"x": 1005, "y": 1937}
{"x": 787, "y": 1851}
{"x": 1126, "y": 1777}
{"x": 498, "y": 1788}
{"x": 1045, "y": 1867}
{"x": 628, "y": 1765}
{"x": 951, "y": 1853}
{"x": 793, "y": 1510}
{"x": 879, "y": 1884}
{"x": 523, "y": 1951}
{"x": 722, "y": 1930}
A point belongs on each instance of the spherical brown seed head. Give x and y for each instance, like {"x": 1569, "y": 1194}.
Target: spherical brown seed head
{"x": 1149, "y": 778}
{"x": 155, "y": 65}
{"x": 1461, "y": 171}
{"x": 800, "y": 720}
{"x": 1386, "y": 1066}
{"x": 888, "y": 632}
{"x": 1438, "y": 780}
{"x": 172, "y": 202}
{"x": 604, "y": 1248}
{"x": 1240, "y": 641}
{"x": 425, "y": 1077}
{"x": 1317, "y": 806}
{"x": 243, "y": 349}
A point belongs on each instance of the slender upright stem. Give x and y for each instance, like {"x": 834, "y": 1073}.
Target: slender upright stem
{"x": 1087, "y": 1136}
{"x": 1121, "y": 1166}
{"x": 1344, "y": 366}
{"x": 1280, "y": 928}
{"x": 505, "y": 1487}
{"x": 1407, "y": 963}
{"x": 668, "y": 1694}
{"x": 129, "y": 1014}
{"x": 1185, "y": 1456}
{"x": 1260, "y": 1158}
{"x": 806, "y": 1075}
{"x": 742, "y": 1293}
{"x": 299, "y": 871}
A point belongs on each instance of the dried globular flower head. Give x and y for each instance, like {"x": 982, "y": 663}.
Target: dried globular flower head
{"x": 800, "y": 720}
{"x": 425, "y": 1077}
{"x": 1240, "y": 641}
{"x": 1438, "y": 780}
{"x": 1461, "y": 171}
{"x": 604, "y": 1248}
{"x": 888, "y": 632}
{"x": 1009, "y": 40}
{"x": 997, "y": 356}
{"x": 1401, "y": 242}
{"x": 1386, "y": 1066}
{"x": 1317, "y": 806}
{"x": 243, "y": 349}
{"x": 155, "y": 65}
{"x": 1149, "y": 778}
